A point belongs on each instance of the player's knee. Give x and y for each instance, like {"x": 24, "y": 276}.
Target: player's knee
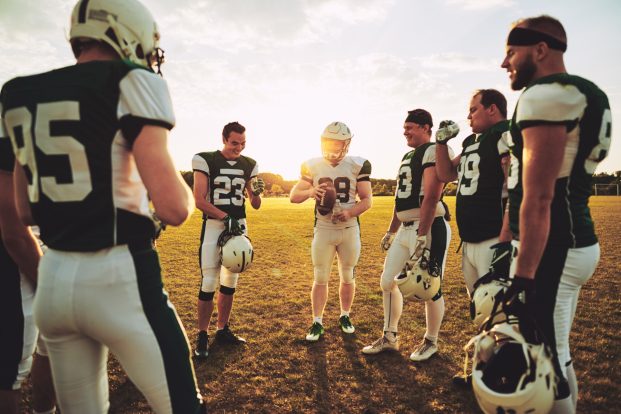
{"x": 210, "y": 280}
{"x": 348, "y": 276}
{"x": 206, "y": 296}
{"x": 387, "y": 283}
{"x": 321, "y": 276}
{"x": 225, "y": 290}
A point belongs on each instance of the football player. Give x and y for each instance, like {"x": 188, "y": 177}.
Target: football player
{"x": 91, "y": 142}
{"x": 560, "y": 131}
{"x": 221, "y": 180}
{"x": 419, "y": 222}
{"x": 338, "y": 232}
{"x": 17, "y": 327}
{"x": 480, "y": 175}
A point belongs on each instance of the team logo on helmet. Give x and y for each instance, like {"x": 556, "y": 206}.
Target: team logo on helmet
{"x": 236, "y": 252}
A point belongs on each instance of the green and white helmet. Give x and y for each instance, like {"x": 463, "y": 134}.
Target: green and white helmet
{"x": 126, "y": 25}
{"x": 237, "y": 254}
{"x": 335, "y": 141}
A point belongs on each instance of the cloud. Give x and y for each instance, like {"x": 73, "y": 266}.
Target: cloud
{"x": 237, "y": 25}
{"x": 478, "y": 5}
{"x": 456, "y": 62}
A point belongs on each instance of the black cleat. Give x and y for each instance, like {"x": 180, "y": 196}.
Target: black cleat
{"x": 202, "y": 347}
{"x": 225, "y": 336}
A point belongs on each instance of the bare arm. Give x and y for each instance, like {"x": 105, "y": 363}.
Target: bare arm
{"x": 21, "y": 196}
{"x": 542, "y": 159}
{"x": 170, "y": 195}
{"x": 201, "y": 191}
{"x": 505, "y": 231}
{"x": 445, "y": 167}
{"x": 394, "y": 222}
{"x": 17, "y": 238}
{"x": 433, "y": 192}
{"x": 302, "y": 191}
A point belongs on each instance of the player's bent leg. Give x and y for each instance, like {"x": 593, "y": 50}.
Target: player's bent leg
{"x": 150, "y": 341}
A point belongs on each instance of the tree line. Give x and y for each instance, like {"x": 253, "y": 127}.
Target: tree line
{"x": 277, "y": 186}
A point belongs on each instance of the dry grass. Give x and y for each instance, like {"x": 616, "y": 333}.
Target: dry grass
{"x": 277, "y": 371}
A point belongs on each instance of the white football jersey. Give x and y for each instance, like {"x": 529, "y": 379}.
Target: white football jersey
{"x": 345, "y": 177}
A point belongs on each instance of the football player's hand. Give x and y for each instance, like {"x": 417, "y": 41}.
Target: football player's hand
{"x": 159, "y": 225}
{"x": 387, "y": 241}
{"x": 421, "y": 243}
{"x": 519, "y": 300}
{"x": 319, "y": 191}
{"x": 501, "y": 259}
{"x": 258, "y": 186}
{"x": 342, "y": 216}
{"x": 446, "y": 131}
{"x": 231, "y": 226}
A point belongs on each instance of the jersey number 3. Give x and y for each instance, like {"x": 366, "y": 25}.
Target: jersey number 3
{"x": 19, "y": 124}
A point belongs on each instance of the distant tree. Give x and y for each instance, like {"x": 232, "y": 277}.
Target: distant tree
{"x": 276, "y": 190}
{"x": 451, "y": 189}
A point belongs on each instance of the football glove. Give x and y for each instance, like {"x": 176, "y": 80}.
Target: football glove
{"x": 258, "y": 186}
{"x": 446, "y": 131}
{"x": 501, "y": 259}
{"x": 159, "y": 225}
{"x": 519, "y": 300}
{"x": 387, "y": 241}
{"x": 421, "y": 243}
{"x": 231, "y": 226}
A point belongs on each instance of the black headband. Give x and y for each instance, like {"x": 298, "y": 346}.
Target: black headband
{"x": 521, "y": 36}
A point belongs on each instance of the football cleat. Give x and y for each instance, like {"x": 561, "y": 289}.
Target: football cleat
{"x": 226, "y": 336}
{"x": 346, "y": 325}
{"x": 381, "y": 345}
{"x": 202, "y": 345}
{"x": 315, "y": 331}
{"x": 424, "y": 351}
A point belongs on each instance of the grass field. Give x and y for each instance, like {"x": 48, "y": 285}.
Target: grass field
{"x": 277, "y": 371}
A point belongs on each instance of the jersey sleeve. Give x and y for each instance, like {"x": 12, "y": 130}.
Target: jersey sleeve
{"x": 305, "y": 173}
{"x": 144, "y": 100}
{"x": 429, "y": 157}
{"x": 255, "y": 170}
{"x": 503, "y": 144}
{"x": 7, "y": 159}
{"x": 365, "y": 171}
{"x": 200, "y": 164}
{"x": 550, "y": 104}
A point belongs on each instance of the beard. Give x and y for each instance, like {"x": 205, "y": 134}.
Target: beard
{"x": 524, "y": 74}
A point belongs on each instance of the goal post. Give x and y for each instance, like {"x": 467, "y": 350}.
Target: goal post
{"x": 606, "y": 189}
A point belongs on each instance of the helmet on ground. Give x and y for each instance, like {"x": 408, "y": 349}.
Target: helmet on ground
{"x": 335, "y": 141}
{"x": 125, "y": 25}
{"x": 510, "y": 375}
{"x": 420, "y": 279}
{"x": 237, "y": 253}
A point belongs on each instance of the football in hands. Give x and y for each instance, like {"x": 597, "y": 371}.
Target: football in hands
{"x": 326, "y": 202}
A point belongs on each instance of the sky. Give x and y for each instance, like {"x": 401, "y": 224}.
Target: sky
{"x": 287, "y": 68}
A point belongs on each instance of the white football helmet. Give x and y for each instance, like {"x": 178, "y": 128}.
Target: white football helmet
{"x": 237, "y": 253}
{"x": 510, "y": 375}
{"x": 126, "y": 25}
{"x": 335, "y": 141}
{"x": 420, "y": 279}
{"x": 488, "y": 293}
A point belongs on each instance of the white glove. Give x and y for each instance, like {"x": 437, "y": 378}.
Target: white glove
{"x": 421, "y": 243}
{"x": 446, "y": 131}
{"x": 387, "y": 241}
{"x": 258, "y": 186}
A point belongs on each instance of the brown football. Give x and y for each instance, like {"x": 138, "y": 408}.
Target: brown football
{"x": 325, "y": 204}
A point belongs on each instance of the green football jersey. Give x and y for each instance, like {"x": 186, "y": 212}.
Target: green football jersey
{"x": 227, "y": 180}
{"x": 7, "y": 158}
{"x": 583, "y": 108}
{"x": 410, "y": 189}
{"x": 479, "y": 191}
{"x": 72, "y": 130}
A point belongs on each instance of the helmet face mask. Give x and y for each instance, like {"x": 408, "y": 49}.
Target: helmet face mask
{"x": 335, "y": 141}
{"x": 125, "y": 25}
{"x": 421, "y": 279}
{"x": 509, "y": 374}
